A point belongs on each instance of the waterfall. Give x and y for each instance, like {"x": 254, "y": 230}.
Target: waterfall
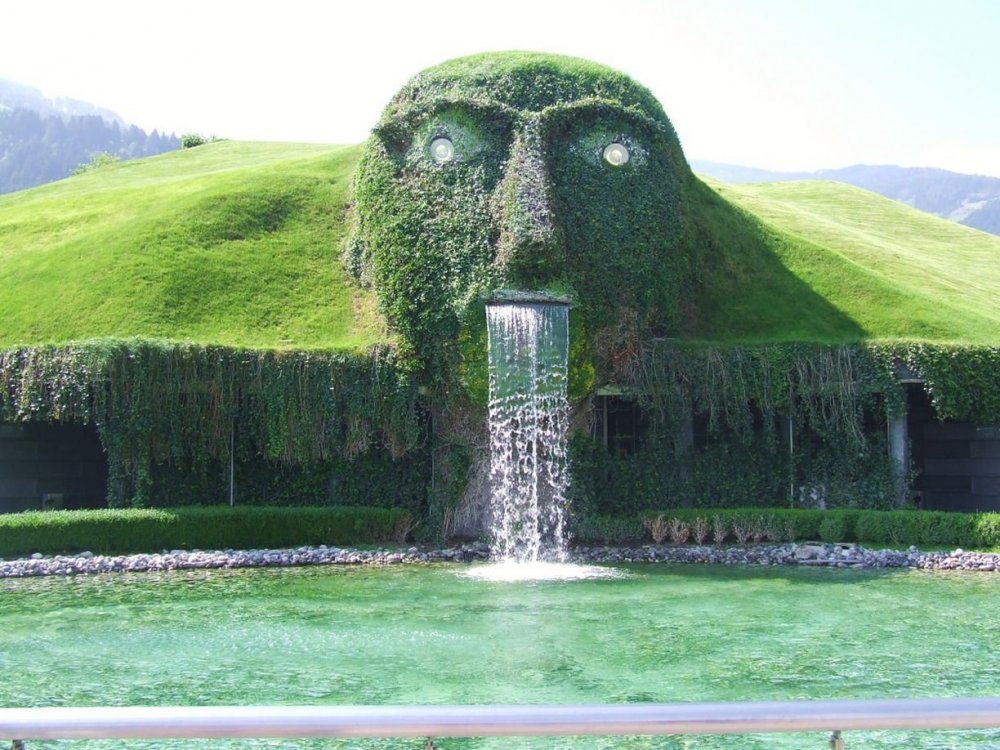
{"x": 528, "y": 422}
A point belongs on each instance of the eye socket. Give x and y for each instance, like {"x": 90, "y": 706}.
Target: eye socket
{"x": 616, "y": 154}
{"x": 442, "y": 150}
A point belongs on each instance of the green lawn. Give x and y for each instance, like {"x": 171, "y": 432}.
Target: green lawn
{"x": 238, "y": 244}
{"x": 822, "y": 261}
{"x": 228, "y": 243}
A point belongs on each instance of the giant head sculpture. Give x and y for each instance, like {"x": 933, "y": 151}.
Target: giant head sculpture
{"x": 520, "y": 174}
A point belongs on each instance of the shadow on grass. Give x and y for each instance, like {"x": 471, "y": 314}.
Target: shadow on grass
{"x": 745, "y": 292}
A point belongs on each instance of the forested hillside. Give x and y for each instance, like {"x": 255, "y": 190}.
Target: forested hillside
{"x": 42, "y": 140}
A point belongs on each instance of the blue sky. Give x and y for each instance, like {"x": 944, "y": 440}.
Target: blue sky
{"x": 781, "y": 84}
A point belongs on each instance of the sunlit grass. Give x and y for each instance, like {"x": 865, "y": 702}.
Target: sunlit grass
{"x": 238, "y": 244}
{"x": 892, "y": 271}
{"x": 230, "y": 243}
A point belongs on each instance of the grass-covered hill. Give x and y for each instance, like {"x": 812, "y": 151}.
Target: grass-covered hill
{"x": 238, "y": 244}
{"x": 827, "y": 262}
{"x": 228, "y": 243}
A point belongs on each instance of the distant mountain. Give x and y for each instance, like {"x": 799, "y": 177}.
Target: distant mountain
{"x": 43, "y": 139}
{"x": 18, "y": 96}
{"x": 972, "y": 200}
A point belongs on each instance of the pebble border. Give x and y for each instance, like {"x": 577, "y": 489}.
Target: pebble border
{"x": 816, "y": 555}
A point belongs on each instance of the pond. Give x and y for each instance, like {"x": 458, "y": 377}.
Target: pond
{"x": 431, "y": 634}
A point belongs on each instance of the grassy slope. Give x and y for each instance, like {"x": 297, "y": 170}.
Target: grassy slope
{"x": 822, "y": 261}
{"x": 231, "y": 243}
{"x": 237, "y": 243}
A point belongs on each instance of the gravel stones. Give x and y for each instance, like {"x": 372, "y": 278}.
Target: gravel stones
{"x": 87, "y": 562}
{"x": 813, "y": 555}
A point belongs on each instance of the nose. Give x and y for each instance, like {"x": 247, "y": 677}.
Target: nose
{"x": 531, "y": 250}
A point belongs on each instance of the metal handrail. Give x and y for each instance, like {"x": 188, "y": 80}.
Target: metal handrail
{"x": 496, "y": 721}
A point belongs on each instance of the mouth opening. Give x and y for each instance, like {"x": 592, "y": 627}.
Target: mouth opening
{"x": 508, "y": 296}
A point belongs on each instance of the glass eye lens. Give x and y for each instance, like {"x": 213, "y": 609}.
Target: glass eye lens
{"x": 616, "y": 154}
{"x": 442, "y": 150}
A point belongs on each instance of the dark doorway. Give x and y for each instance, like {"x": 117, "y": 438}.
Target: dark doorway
{"x": 46, "y": 466}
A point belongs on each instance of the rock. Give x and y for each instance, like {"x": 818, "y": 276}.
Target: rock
{"x": 808, "y": 551}
{"x": 811, "y": 554}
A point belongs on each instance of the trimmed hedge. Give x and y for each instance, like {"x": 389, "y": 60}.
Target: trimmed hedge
{"x": 898, "y": 528}
{"x": 147, "y": 530}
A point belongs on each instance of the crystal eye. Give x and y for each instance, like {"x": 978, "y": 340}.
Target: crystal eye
{"x": 442, "y": 150}
{"x": 616, "y": 154}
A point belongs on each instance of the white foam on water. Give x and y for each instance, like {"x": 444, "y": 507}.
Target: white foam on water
{"x": 512, "y": 571}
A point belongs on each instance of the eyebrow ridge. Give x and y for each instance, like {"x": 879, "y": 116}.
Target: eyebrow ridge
{"x": 412, "y": 116}
{"x": 597, "y": 106}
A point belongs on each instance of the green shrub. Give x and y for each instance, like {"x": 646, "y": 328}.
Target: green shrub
{"x": 880, "y": 527}
{"x": 97, "y": 161}
{"x": 608, "y": 530}
{"x": 898, "y": 528}
{"x": 921, "y": 527}
{"x": 776, "y": 524}
{"x": 833, "y": 529}
{"x": 190, "y": 140}
{"x": 985, "y": 530}
{"x": 135, "y": 530}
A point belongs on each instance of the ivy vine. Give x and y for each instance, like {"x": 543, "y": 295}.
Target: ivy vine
{"x": 180, "y": 404}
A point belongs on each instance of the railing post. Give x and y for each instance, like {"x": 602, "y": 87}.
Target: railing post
{"x": 836, "y": 741}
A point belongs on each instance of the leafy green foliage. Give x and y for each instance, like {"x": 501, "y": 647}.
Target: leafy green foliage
{"x": 182, "y": 405}
{"x": 742, "y": 399}
{"x": 233, "y": 245}
{"x": 901, "y": 528}
{"x": 97, "y": 161}
{"x": 963, "y": 381}
{"x": 129, "y": 530}
{"x": 526, "y": 203}
{"x": 375, "y": 479}
{"x": 836, "y": 399}
{"x": 834, "y": 529}
{"x": 898, "y": 528}
{"x": 191, "y": 140}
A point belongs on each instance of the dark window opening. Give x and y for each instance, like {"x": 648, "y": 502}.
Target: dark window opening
{"x": 51, "y": 466}
{"x": 619, "y": 425}
{"x": 958, "y": 463}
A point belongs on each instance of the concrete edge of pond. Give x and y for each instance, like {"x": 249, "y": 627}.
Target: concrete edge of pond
{"x": 806, "y": 554}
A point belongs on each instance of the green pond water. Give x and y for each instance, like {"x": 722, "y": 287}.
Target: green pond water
{"x": 400, "y": 635}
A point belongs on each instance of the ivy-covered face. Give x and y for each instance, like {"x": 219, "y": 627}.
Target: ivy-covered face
{"x": 525, "y": 173}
